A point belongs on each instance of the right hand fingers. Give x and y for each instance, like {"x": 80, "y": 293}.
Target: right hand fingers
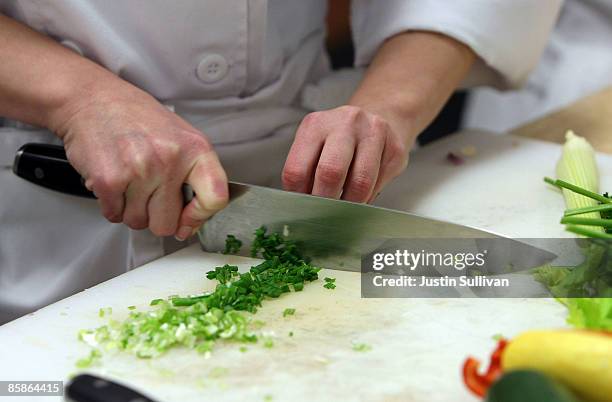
{"x": 164, "y": 209}
{"x": 109, "y": 190}
{"x": 209, "y": 182}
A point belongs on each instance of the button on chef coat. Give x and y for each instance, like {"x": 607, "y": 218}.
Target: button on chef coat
{"x": 234, "y": 69}
{"x": 212, "y": 68}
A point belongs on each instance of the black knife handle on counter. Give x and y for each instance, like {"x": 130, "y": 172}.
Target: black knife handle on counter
{"x": 89, "y": 388}
{"x": 48, "y": 166}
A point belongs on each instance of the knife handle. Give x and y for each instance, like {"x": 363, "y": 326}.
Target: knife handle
{"x": 47, "y": 165}
{"x": 89, "y": 388}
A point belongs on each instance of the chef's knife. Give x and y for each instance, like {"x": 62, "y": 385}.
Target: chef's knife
{"x": 336, "y": 234}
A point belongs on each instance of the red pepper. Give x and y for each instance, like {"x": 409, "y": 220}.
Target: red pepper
{"x": 480, "y": 383}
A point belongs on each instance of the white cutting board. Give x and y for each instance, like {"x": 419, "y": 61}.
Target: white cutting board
{"x": 418, "y": 344}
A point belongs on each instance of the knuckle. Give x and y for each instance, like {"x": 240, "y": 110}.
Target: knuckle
{"x": 329, "y": 174}
{"x": 198, "y": 142}
{"x": 396, "y": 151}
{"x": 167, "y": 151}
{"x": 312, "y": 119}
{"x": 361, "y": 185}
{"x": 112, "y": 217}
{"x": 378, "y": 124}
{"x": 163, "y": 229}
{"x": 136, "y": 221}
{"x": 104, "y": 183}
{"x": 350, "y": 113}
{"x": 293, "y": 177}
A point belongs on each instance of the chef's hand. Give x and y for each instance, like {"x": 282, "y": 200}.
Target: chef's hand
{"x": 355, "y": 150}
{"x": 346, "y": 152}
{"x": 135, "y": 155}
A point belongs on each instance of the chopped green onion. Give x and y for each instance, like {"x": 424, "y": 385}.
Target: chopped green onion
{"x": 288, "y": 311}
{"x": 583, "y": 191}
{"x": 105, "y": 311}
{"x": 550, "y": 181}
{"x": 585, "y": 210}
{"x": 588, "y": 232}
{"x": 330, "y": 283}
{"x": 88, "y": 361}
{"x": 571, "y": 220}
{"x": 198, "y": 322}
{"x": 361, "y": 347}
{"x": 232, "y": 245}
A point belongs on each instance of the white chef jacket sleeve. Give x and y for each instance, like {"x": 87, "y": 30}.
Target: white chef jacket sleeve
{"x": 507, "y": 35}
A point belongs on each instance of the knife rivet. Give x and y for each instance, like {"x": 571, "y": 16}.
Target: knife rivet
{"x": 100, "y": 384}
{"x": 39, "y": 173}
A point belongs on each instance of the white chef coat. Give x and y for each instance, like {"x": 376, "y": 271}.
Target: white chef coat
{"x": 234, "y": 69}
{"x": 576, "y": 62}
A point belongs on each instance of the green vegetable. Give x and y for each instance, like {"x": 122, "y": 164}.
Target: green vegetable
{"x": 105, "y": 311}
{"x": 232, "y": 245}
{"x": 361, "y": 347}
{"x": 275, "y": 245}
{"x": 582, "y": 231}
{"x": 601, "y": 208}
{"x": 528, "y": 386}
{"x": 330, "y": 283}
{"x": 269, "y": 343}
{"x": 573, "y": 188}
{"x": 576, "y": 220}
{"x": 88, "y": 361}
{"x": 593, "y": 277}
{"x": 199, "y": 321}
{"x": 593, "y": 313}
{"x": 579, "y": 177}
{"x": 578, "y": 167}
{"x": 288, "y": 311}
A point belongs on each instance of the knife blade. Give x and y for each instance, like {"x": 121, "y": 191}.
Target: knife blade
{"x": 336, "y": 234}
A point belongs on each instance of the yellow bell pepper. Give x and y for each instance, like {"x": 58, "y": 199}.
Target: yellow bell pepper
{"x": 580, "y": 359}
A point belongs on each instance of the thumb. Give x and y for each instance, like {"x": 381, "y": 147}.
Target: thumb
{"x": 209, "y": 182}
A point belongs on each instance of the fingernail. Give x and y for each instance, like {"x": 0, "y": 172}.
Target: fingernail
{"x": 183, "y": 233}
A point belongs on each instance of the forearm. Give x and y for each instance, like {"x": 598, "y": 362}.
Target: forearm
{"x": 41, "y": 79}
{"x": 411, "y": 78}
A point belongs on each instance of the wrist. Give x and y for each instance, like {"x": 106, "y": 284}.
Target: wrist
{"x": 411, "y": 77}
{"x": 399, "y": 111}
{"x": 93, "y": 89}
